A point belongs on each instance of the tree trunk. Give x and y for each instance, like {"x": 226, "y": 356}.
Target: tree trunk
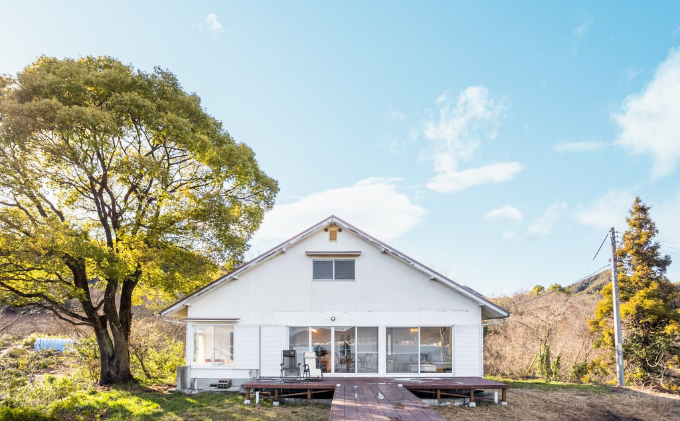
{"x": 114, "y": 359}
{"x": 112, "y": 329}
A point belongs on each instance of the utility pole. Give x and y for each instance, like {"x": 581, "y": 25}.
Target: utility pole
{"x": 617, "y": 315}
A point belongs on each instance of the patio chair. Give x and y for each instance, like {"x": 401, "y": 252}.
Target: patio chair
{"x": 289, "y": 363}
{"x": 310, "y": 368}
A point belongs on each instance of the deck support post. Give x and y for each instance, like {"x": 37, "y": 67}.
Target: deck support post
{"x": 309, "y": 393}
{"x": 439, "y": 393}
{"x": 247, "y": 400}
{"x": 276, "y": 397}
{"x": 504, "y": 396}
{"x": 472, "y": 398}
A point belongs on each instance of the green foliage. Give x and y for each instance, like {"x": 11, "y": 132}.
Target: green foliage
{"x": 23, "y": 414}
{"x": 83, "y": 355}
{"x": 117, "y": 181}
{"x": 595, "y": 371}
{"x": 545, "y": 366}
{"x": 537, "y": 290}
{"x": 558, "y": 289}
{"x": 649, "y": 306}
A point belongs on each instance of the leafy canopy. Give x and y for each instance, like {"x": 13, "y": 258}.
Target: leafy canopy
{"x": 123, "y": 172}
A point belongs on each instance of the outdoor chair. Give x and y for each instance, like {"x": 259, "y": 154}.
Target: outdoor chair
{"x": 289, "y": 363}
{"x": 310, "y": 368}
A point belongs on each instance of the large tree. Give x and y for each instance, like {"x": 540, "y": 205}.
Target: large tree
{"x": 115, "y": 183}
{"x": 650, "y": 305}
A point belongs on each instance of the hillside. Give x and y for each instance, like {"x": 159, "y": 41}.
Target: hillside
{"x": 592, "y": 284}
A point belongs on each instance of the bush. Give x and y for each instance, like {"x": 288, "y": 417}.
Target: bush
{"x": 578, "y": 372}
{"x": 23, "y": 414}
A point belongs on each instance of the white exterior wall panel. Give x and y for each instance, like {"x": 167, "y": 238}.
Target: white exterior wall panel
{"x": 273, "y": 342}
{"x": 247, "y": 347}
{"x": 467, "y": 351}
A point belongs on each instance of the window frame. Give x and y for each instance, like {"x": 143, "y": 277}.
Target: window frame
{"x": 212, "y": 363}
{"x": 333, "y": 259}
{"x": 333, "y": 373}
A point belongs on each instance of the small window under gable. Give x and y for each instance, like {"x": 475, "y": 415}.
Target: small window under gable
{"x": 333, "y": 269}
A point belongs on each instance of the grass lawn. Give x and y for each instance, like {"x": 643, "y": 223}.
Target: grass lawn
{"x": 526, "y": 401}
{"x": 148, "y": 404}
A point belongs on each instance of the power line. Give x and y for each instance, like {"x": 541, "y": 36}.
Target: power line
{"x": 598, "y": 250}
{"x": 568, "y": 286}
{"x": 669, "y": 242}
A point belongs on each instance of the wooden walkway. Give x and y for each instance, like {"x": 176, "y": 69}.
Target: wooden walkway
{"x": 376, "y": 398}
{"x": 368, "y": 402}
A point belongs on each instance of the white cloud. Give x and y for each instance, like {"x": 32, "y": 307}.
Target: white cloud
{"x": 455, "y": 133}
{"x": 506, "y": 211}
{"x": 543, "y": 225}
{"x": 213, "y": 25}
{"x": 454, "y": 181}
{"x": 374, "y": 205}
{"x": 581, "y": 30}
{"x": 395, "y": 146}
{"x": 396, "y": 115}
{"x": 509, "y": 235}
{"x": 650, "y": 120}
{"x": 572, "y": 147}
{"x": 607, "y": 211}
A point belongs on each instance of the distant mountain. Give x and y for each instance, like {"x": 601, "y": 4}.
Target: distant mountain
{"x": 592, "y": 284}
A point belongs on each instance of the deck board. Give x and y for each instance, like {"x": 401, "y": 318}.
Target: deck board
{"x": 377, "y": 398}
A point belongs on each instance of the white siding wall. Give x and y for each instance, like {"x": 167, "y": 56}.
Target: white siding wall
{"x": 283, "y": 286}
{"x": 273, "y": 341}
{"x": 468, "y": 351}
{"x": 247, "y": 347}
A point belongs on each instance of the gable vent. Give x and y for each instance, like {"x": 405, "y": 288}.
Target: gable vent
{"x": 333, "y": 233}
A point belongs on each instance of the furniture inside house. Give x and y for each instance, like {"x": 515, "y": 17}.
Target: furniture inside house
{"x": 310, "y": 368}
{"x": 324, "y": 363}
{"x": 365, "y": 363}
{"x": 289, "y": 364}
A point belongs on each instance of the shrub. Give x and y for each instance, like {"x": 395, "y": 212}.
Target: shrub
{"x": 23, "y": 414}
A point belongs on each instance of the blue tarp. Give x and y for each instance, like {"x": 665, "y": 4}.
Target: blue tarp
{"x": 51, "y": 343}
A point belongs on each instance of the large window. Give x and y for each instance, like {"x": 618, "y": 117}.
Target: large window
{"x": 367, "y": 350}
{"x": 321, "y": 346}
{"x": 402, "y": 349}
{"x": 337, "y": 349}
{"x": 435, "y": 350}
{"x": 419, "y": 349}
{"x": 298, "y": 341}
{"x": 333, "y": 269}
{"x": 214, "y": 345}
{"x": 345, "y": 349}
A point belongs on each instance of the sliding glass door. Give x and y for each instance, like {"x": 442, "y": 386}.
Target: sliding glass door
{"x": 340, "y": 350}
{"x": 345, "y": 349}
{"x": 367, "y": 350}
{"x": 321, "y": 346}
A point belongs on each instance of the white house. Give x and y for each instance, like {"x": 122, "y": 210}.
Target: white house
{"x": 363, "y": 307}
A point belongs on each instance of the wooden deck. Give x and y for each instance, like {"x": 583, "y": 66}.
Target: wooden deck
{"x": 378, "y": 398}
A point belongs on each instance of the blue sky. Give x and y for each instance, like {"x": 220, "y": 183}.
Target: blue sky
{"x": 495, "y": 141}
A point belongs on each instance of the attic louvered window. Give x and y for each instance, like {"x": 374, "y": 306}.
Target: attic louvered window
{"x": 333, "y": 269}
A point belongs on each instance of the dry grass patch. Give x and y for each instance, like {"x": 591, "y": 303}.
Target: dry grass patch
{"x": 533, "y": 401}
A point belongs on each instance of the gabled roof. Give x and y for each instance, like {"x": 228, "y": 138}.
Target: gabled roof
{"x": 489, "y": 309}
